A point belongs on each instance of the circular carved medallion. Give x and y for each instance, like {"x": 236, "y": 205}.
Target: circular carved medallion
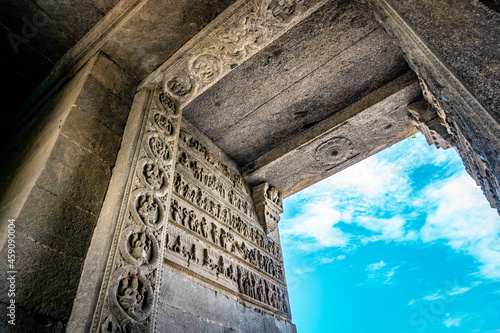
{"x": 168, "y": 103}
{"x": 157, "y": 146}
{"x": 131, "y": 294}
{"x": 140, "y": 248}
{"x": 206, "y": 67}
{"x": 163, "y": 124}
{"x": 152, "y": 175}
{"x": 335, "y": 151}
{"x": 147, "y": 209}
{"x": 180, "y": 85}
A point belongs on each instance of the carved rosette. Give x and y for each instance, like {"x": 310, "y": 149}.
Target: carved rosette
{"x": 269, "y": 206}
{"x": 334, "y": 152}
{"x": 127, "y": 302}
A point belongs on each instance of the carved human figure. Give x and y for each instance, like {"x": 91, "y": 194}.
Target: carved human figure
{"x": 185, "y": 215}
{"x": 164, "y": 123}
{"x": 140, "y": 247}
{"x": 223, "y": 238}
{"x": 153, "y": 175}
{"x": 177, "y": 183}
{"x": 159, "y": 148}
{"x": 215, "y": 234}
{"x": 130, "y": 295}
{"x": 183, "y": 159}
{"x": 175, "y": 210}
{"x": 180, "y": 85}
{"x": 192, "y": 221}
{"x": 204, "y": 227}
{"x": 206, "y": 67}
{"x": 148, "y": 209}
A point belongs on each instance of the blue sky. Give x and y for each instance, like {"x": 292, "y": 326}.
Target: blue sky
{"x": 401, "y": 242}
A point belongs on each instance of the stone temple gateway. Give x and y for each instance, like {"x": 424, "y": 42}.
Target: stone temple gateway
{"x": 147, "y": 169}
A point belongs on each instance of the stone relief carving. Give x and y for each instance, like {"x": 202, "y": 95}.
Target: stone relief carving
{"x": 243, "y": 280}
{"x": 269, "y": 206}
{"x": 127, "y": 298}
{"x": 458, "y": 110}
{"x": 257, "y": 25}
{"x": 235, "y": 179}
{"x": 335, "y": 151}
{"x": 224, "y": 238}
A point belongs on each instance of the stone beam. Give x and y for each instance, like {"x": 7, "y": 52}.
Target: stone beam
{"x": 459, "y": 74}
{"x": 366, "y": 127}
{"x": 240, "y": 32}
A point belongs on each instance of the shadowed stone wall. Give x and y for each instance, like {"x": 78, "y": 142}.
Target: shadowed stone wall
{"x": 55, "y": 190}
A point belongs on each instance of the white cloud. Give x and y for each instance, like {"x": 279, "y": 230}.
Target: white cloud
{"x": 376, "y": 266}
{"x": 376, "y": 200}
{"x": 458, "y": 221}
{"x": 381, "y": 272}
{"x": 452, "y": 290}
{"x": 452, "y": 322}
{"x": 318, "y": 222}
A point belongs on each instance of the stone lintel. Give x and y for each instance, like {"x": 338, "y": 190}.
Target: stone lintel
{"x": 373, "y": 123}
{"x": 240, "y": 32}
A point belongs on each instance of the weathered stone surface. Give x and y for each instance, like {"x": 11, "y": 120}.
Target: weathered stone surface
{"x": 375, "y": 122}
{"x": 104, "y": 105}
{"x": 46, "y": 279}
{"x": 91, "y": 135}
{"x": 157, "y": 31}
{"x": 53, "y": 222}
{"x": 31, "y": 322}
{"x": 75, "y": 175}
{"x": 291, "y": 88}
{"x": 466, "y": 41}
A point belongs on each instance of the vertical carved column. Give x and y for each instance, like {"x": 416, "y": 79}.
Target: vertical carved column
{"x": 268, "y": 205}
{"x": 129, "y": 292}
{"x": 470, "y": 121}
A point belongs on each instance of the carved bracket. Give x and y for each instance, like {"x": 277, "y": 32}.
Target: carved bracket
{"x": 269, "y": 205}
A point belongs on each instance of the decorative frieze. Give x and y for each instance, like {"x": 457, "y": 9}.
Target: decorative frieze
{"x": 252, "y": 25}
{"x": 128, "y": 297}
{"x": 223, "y": 237}
{"x": 207, "y": 260}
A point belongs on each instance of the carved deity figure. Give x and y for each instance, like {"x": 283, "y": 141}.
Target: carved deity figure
{"x": 153, "y": 175}
{"x": 204, "y": 227}
{"x": 175, "y": 210}
{"x": 192, "y": 221}
{"x": 148, "y": 209}
{"x": 223, "y": 238}
{"x": 215, "y": 234}
{"x": 159, "y": 148}
{"x": 183, "y": 159}
{"x": 130, "y": 296}
{"x": 163, "y": 123}
{"x": 140, "y": 247}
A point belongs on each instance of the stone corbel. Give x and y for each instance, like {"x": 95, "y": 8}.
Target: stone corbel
{"x": 268, "y": 205}
{"x": 425, "y": 117}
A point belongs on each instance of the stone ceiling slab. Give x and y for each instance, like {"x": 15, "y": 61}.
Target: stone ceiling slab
{"x": 297, "y": 81}
{"x": 362, "y": 129}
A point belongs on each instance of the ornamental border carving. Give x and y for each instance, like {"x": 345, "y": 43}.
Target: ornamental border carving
{"x": 245, "y": 29}
{"x": 129, "y": 292}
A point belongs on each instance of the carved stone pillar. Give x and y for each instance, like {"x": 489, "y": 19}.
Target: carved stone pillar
{"x": 120, "y": 293}
{"x": 458, "y": 77}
